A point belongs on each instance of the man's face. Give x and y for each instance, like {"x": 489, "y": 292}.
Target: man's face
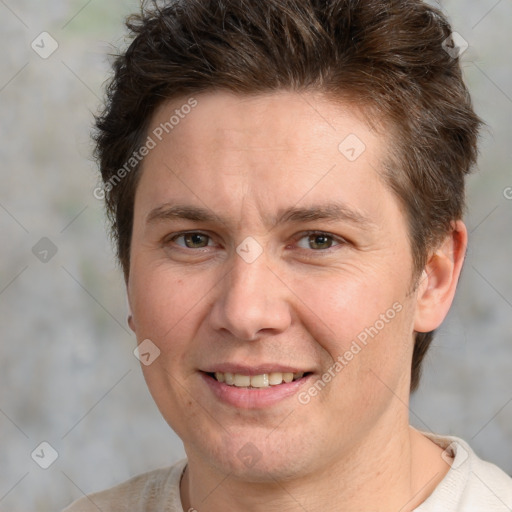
{"x": 263, "y": 281}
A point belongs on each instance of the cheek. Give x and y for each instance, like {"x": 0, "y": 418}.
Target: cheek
{"x": 363, "y": 324}
{"x": 342, "y": 306}
{"x": 163, "y": 303}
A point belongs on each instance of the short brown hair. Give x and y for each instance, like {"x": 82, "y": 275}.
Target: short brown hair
{"x": 386, "y": 56}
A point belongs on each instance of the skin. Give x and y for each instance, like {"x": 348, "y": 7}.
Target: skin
{"x": 301, "y": 302}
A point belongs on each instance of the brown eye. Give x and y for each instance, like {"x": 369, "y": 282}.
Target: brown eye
{"x": 316, "y": 241}
{"x": 320, "y": 241}
{"x": 193, "y": 240}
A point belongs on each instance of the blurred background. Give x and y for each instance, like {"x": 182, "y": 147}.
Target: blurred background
{"x": 68, "y": 376}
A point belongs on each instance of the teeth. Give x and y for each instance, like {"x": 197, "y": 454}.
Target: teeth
{"x": 275, "y": 378}
{"x": 242, "y": 381}
{"x": 263, "y": 380}
{"x": 287, "y": 377}
{"x": 260, "y": 381}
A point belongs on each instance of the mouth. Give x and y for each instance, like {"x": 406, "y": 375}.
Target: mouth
{"x": 263, "y": 380}
{"x": 257, "y": 386}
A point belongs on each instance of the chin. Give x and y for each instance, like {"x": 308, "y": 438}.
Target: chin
{"x": 256, "y": 458}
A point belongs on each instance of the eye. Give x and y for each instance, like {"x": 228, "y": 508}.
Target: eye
{"x": 193, "y": 240}
{"x": 318, "y": 241}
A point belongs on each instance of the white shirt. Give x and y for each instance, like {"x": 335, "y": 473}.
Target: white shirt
{"x": 471, "y": 485}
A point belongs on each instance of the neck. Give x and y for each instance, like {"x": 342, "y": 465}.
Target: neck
{"x": 396, "y": 470}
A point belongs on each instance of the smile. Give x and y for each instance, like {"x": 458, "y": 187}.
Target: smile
{"x": 263, "y": 380}
{"x": 255, "y": 391}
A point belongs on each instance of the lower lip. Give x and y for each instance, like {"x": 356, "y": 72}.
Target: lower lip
{"x": 253, "y": 398}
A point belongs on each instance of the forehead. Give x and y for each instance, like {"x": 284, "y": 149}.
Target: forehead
{"x": 272, "y": 150}
{"x": 292, "y": 122}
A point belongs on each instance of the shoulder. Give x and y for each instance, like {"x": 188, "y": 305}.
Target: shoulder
{"x": 471, "y": 484}
{"x": 157, "y": 490}
{"x": 488, "y": 486}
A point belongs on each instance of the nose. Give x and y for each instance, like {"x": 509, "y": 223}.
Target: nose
{"x": 251, "y": 301}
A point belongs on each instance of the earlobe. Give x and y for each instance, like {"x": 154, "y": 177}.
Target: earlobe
{"x": 131, "y": 323}
{"x": 438, "y": 282}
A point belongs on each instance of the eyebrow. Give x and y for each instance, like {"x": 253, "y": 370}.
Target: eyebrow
{"x": 329, "y": 212}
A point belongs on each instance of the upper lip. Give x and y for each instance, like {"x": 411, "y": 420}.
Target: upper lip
{"x": 256, "y": 369}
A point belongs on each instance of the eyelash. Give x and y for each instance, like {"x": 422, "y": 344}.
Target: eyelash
{"x": 337, "y": 239}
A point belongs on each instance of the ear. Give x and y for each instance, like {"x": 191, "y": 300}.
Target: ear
{"x": 439, "y": 279}
{"x": 131, "y": 323}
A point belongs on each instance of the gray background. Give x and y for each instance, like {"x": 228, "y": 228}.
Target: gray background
{"x": 68, "y": 374}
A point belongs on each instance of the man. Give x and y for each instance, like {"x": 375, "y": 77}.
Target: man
{"x": 285, "y": 181}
